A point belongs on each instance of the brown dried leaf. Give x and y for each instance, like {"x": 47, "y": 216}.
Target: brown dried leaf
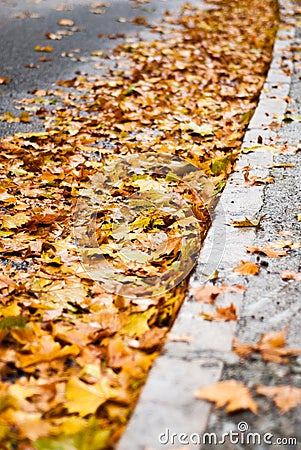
{"x": 53, "y": 36}
{"x": 285, "y": 397}
{"x": 287, "y": 275}
{"x": 246, "y": 268}
{"x": 232, "y": 394}
{"x": 241, "y": 349}
{"x": 46, "y": 48}
{"x": 179, "y": 338}
{"x": 4, "y": 80}
{"x": 268, "y": 251}
{"x": 255, "y": 181}
{"x": 271, "y": 346}
{"x": 66, "y": 22}
{"x": 225, "y": 314}
{"x": 206, "y": 293}
{"x": 273, "y": 339}
{"x": 245, "y": 223}
{"x": 16, "y": 221}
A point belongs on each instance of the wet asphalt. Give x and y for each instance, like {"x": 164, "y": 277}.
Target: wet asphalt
{"x": 24, "y": 25}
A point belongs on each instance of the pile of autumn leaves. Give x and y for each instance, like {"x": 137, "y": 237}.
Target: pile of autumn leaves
{"x": 73, "y": 357}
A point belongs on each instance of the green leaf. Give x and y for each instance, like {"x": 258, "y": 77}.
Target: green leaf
{"x": 55, "y": 443}
{"x": 219, "y": 165}
{"x": 219, "y": 187}
{"x": 12, "y": 322}
{"x": 130, "y": 89}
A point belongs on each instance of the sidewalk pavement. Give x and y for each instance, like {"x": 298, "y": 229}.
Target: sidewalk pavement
{"x": 271, "y": 301}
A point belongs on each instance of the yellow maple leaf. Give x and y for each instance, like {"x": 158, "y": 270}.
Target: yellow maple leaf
{"x": 83, "y": 398}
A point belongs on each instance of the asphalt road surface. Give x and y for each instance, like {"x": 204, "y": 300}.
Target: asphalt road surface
{"x": 25, "y": 24}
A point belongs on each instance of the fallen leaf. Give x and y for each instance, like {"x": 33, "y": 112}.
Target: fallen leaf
{"x": 288, "y": 118}
{"x": 287, "y": 275}
{"x": 24, "y": 117}
{"x": 53, "y": 36}
{"x": 66, "y": 22}
{"x": 32, "y": 66}
{"x": 268, "y": 251}
{"x": 285, "y": 397}
{"x": 44, "y": 59}
{"x": 83, "y": 398}
{"x": 207, "y": 293}
{"x": 246, "y": 268}
{"x": 259, "y": 148}
{"x": 46, "y": 48}
{"x": 245, "y": 223}
{"x": 270, "y": 346}
{"x": 220, "y": 165}
{"x": 202, "y": 130}
{"x": 16, "y": 221}
{"x": 97, "y": 11}
{"x": 235, "y": 396}
{"x": 225, "y": 314}
{"x": 241, "y": 349}
{"x": 4, "y": 80}
{"x": 97, "y": 53}
{"x": 179, "y": 338}
{"x": 122, "y": 19}
{"x": 257, "y": 181}
{"x": 273, "y": 339}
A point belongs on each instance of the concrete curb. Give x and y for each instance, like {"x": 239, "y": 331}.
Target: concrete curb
{"x": 167, "y": 401}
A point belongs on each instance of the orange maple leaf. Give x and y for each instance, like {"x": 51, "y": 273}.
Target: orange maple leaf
{"x": 246, "y": 268}
{"x": 271, "y": 346}
{"x": 285, "y": 397}
{"x": 226, "y": 314}
{"x": 231, "y": 394}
